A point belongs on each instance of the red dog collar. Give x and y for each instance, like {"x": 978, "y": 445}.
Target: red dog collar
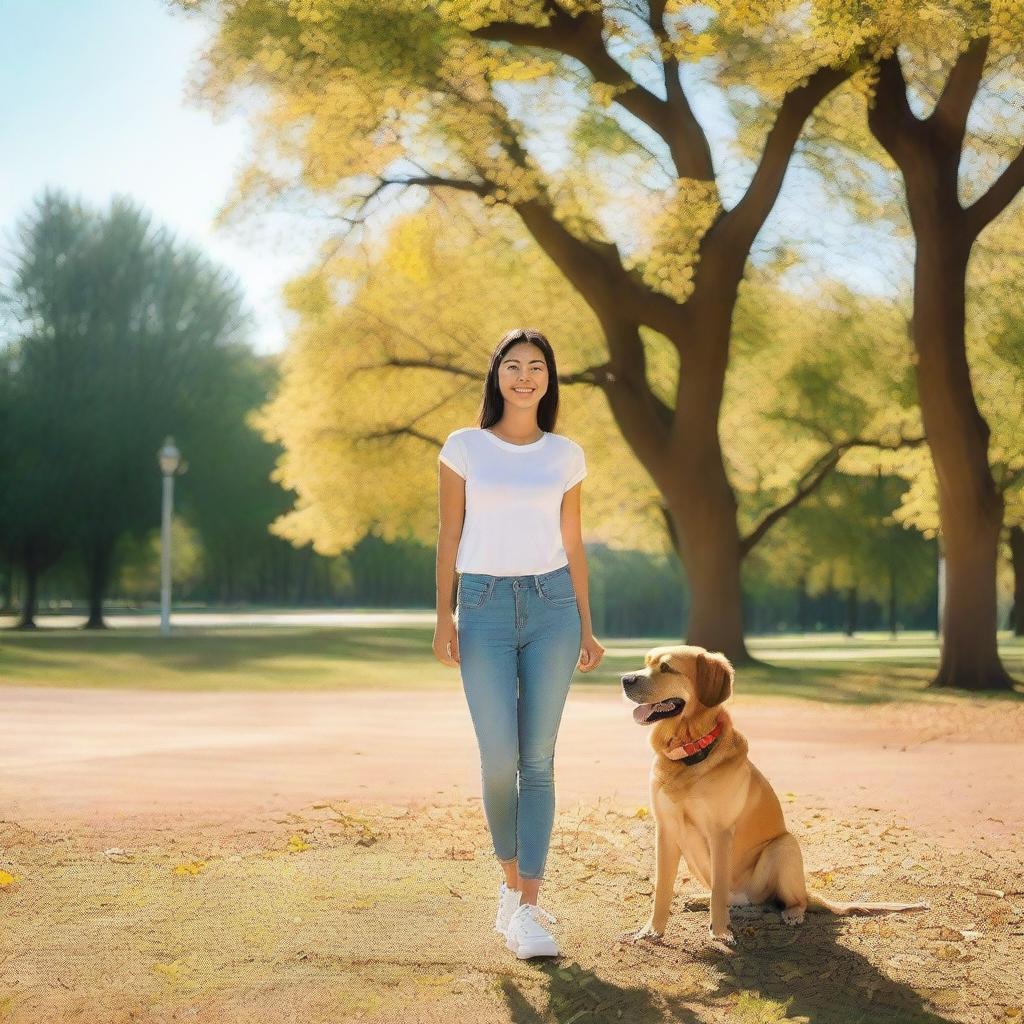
{"x": 696, "y": 750}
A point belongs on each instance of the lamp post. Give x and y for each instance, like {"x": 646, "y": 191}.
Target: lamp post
{"x": 170, "y": 459}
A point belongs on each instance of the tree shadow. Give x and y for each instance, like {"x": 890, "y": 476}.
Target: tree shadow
{"x": 811, "y": 972}
{"x": 803, "y": 973}
{"x": 578, "y": 994}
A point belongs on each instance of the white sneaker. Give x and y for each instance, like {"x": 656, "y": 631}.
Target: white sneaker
{"x": 508, "y": 900}
{"x": 526, "y": 936}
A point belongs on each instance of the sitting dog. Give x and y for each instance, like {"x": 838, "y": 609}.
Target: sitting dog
{"x": 710, "y": 804}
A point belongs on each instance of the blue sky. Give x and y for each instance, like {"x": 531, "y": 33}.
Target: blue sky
{"x": 94, "y": 104}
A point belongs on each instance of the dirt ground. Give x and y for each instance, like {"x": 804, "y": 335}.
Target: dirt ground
{"x": 324, "y": 857}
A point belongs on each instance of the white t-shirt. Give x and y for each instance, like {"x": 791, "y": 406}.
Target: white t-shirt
{"x": 513, "y": 500}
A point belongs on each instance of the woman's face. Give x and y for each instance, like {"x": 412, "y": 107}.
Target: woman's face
{"x": 523, "y": 375}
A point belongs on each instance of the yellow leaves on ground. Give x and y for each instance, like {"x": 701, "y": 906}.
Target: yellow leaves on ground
{"x": 192, "y": 868}
{"x": 751, "y": 1009}
{"x": 170, "y": 972}
{"x": 433, "y": 979}
{"x": 296, "y": 844}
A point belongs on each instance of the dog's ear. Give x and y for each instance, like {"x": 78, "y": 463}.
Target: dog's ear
{"x": 714, "y": 678}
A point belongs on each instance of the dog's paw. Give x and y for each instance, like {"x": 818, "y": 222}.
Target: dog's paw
{"x": 793, "y": 915}
{"x": 722, "y": 935}
{"x": 645, "y": 933}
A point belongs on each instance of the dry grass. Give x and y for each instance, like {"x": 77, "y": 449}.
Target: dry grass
{"x": 345, "y": 912}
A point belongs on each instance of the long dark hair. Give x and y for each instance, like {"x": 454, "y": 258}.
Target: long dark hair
{"x": 493, "y": 405}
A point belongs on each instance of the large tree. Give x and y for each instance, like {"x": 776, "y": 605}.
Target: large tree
{"x": 930, "y": 152}
{"x": 370, "y": 99}
{"x": 995, "y": 353}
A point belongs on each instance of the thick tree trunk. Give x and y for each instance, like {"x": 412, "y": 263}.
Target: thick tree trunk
{"x": 699, "y": 495}
{"x": 710, "y": 554}
{"x": 929, "y": 154}
{"x": 851, "y": 610}
{"x": 970, "y": 506}
{"x": 710, "y": 549}
{"x": 892, "y": 602}
{"x": 1017, "y": 558}
{"x": 829, "y": 596}
{"x": 27, "y": 619}
{"x": 7, "y": 607}
{"x": 98, "y": 566}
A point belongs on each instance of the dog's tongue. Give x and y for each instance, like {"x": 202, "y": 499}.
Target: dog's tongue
{"x": 644, "y": 711}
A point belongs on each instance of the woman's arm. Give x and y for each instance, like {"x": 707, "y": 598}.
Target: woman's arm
{"x": 450, "y": 519}
{"x": 572, "y": 541}
{"x": 591, "y": 649}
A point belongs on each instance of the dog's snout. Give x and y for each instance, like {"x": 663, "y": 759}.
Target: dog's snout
{"x": 629, "y": 679}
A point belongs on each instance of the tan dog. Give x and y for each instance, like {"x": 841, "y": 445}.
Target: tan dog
{"x": 710, "y": 804}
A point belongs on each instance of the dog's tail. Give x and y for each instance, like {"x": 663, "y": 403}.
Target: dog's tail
{"x": 822, "y": 905}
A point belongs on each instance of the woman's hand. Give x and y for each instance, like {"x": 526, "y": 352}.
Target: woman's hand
{"x": 446, "y": 641}
{"x": 591, "y": 653}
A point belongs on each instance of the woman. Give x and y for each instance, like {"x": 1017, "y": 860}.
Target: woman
{"x": 510, "y": 526}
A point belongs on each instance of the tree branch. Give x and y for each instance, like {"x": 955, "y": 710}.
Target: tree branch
{"x": 685, "y": 138}
{"x": 594, "y": 268}
{"x": 736, "y": 230}
{"x": 814, "y": 476}
{"x": 1004, "y": 190}
{"x": 949, "y": 118}
{"x": 580, "y": 36}
{"x": 421, "y": 364}
{"x": 480, "y": 188}
{"x": 890, "y": 118}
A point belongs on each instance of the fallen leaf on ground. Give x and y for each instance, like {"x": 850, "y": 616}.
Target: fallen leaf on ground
{"x": 192, "y": 868}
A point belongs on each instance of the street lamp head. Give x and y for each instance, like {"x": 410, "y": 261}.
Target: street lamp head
{"x": 169, "y": 457}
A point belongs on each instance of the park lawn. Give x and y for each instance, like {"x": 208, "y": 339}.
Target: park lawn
{"x": 319, "y": 658}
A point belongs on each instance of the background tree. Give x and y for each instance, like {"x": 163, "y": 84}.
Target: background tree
{"x": 949, "y": 135}
{"x": 229, "y": 496}
{"x": 995, "y": 346}
{"x": 994, "y": 353}
{"x": 124, "y": 336}
{"x": 42, "y": 322}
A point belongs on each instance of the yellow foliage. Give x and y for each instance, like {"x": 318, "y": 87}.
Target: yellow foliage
{"x": 689, "y": 208}
{"x": 353, "y": 92}
{"x": 360, "y": 434}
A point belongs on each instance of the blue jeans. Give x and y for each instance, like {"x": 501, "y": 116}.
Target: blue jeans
{"x": 525, "y": 630}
